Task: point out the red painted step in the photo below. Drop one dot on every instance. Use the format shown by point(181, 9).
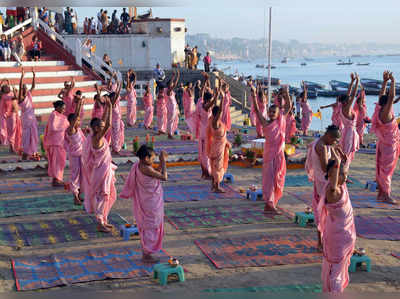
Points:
point(52, 79)
point(58, 68)
point(55, 91)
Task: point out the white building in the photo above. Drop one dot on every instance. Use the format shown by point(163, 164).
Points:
point(152, 41)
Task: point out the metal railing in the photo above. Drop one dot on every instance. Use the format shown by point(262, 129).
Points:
point(10, 32)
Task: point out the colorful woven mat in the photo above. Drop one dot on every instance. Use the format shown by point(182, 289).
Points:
point(177, 175)
point(261, 250)
point(45, 232)
point(303, 181)
point(197, 193)
point(37, 205)
point(184, 218)
point(378, 228)
point(178, 150)
point(17, 187)
point(359, 199)
point(32, 273)
point(295, 288)
point(396, 255)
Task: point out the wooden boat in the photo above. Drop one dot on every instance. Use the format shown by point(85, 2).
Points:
point(363, 63)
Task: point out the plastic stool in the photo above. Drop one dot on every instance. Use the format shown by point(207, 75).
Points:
point(372, 145)
point(162, 271)
point(303, 218)
point(244, 131)
point(126, 232)
point(176, 132)
point(371, 185)
point(357, 260)
point(253, 195)
point(229, 178)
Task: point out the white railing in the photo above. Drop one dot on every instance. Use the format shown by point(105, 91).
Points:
point(10, 32)
point(95, 62)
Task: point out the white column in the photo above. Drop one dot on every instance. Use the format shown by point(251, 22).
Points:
point(78, 52)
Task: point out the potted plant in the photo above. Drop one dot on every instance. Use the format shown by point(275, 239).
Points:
point(238, 140)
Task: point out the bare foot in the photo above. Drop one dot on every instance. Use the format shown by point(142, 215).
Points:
point(103, 228)
point(269, 209)
point(108, 225)
point(148, 258)
point(24, 156)
point(219, 190)
point(77, 201)
point(57, 183)
point(170, 136)
point(390, 200)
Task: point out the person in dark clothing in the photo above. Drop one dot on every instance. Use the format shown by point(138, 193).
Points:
point(197, 89)
point(125, 17)
point(179, 97)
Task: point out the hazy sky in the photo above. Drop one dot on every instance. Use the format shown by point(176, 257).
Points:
point(349, 21)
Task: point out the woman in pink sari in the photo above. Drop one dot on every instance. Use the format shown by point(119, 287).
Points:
point(203, 112)
point(118, 127)
point(67, 96)
point(336, 224)
point(53, 143)
point(143, 185)
point(30, 136)
point(74, 140)
point(274, 164)
point(131, 98)
point(189, 108)
point(161, 111)
point(172, 107)
point(99, 104)
point(217, 147)
point(290, 127)
point(350, 141)
point(385, 127)
point(360, 109)
point(11, 120)
point(148, 108)
point(306, 112)
point(258, 94)
point(226, 109)
point(99, 171)
point(336, 108)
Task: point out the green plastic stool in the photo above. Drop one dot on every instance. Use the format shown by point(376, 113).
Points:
point(162, 271)
point(358, 260)
point(302, 218)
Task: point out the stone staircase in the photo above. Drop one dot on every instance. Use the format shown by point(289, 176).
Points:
point(56, 67)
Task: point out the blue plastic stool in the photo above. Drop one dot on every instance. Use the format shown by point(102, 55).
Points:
point(372, 145)
point(229, 178)
point(303, 218)
point(371, 185)
point(162, 271)
point(126, 232)
point(358, 260)
point(176, 132)
point(244, 131)
point(253, 195)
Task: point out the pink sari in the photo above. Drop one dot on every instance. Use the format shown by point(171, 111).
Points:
point(162, 113)
point(264, 111)
point(290, 128)
point(338, 238)
point(316, 175)
point(172, 114)
point(148, 208)
point(68, 100)
point(98, 110)
point(274, 164)
point(30, 135)
point(149, 110)
point(99, 172)
point(12, 124)
point(350, 141)
point(131, 107)
point(253, 116)
point(387, 149)
point(336, 120)
point(306, 116)
point(201, 133)
point(189, 110)
point(73, 145)
point(118, 127)
point(361, 114)
point(226, 112)
point(53, 143)
point(217, 150)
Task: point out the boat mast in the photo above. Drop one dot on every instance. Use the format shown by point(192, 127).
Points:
point(269, 56)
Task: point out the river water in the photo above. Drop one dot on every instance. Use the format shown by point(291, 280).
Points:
point(320, 70)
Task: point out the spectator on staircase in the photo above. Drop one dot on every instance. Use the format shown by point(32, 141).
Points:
point(99, 22)
point(86, 26)
point(18, 49)
point(68, 24)
point(207, 62)
point(21, 14)
point(44, 15)
point(125, 18)
point(74, 21)
point(11, 14)
point(5, 48)
point(107, 60)
point(36, 46)
point(93, 26)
